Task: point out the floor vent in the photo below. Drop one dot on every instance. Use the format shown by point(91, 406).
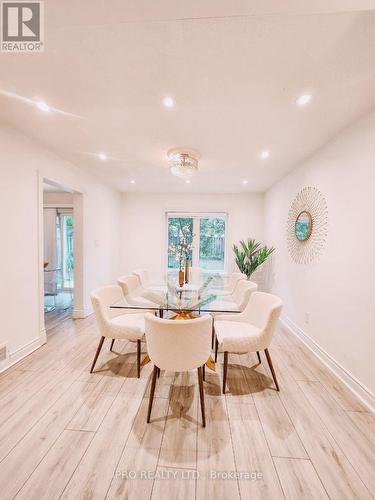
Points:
point(3, 352)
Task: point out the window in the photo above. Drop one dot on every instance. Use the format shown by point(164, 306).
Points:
point(205, 232)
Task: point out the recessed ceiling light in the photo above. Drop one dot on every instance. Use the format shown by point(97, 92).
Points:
point(103, 156)
point(245, 181)
point(264, 155)
point(132, 181)
point(169, 102)
point(188, 181)
point(303, 100)
point(42, 106)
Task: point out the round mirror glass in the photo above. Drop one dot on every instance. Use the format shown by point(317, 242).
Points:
point(303, 226)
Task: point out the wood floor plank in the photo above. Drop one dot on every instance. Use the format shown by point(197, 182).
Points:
point(365, 422)
point(54, 471)
point(309, 363)
point(281, 436)
point(250, 429)
point(134, 475)
point(20, 463)
point(339, 478)
point(174, 484)
point(252, 454)
point(299, 479)
point(94, 409)
point(179, 446)
point(214, 447)
point(13, 429)
point(359, 451)
point(94, 473)
point(237, 387)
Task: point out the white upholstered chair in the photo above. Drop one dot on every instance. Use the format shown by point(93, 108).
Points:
point(113, 323)
point(240, 297)
point(230, 286)
point(249, 331)
point(145, 281)
point(178, 346)
point(133, 291)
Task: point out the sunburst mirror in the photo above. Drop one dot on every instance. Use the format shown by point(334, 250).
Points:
point(307, 225)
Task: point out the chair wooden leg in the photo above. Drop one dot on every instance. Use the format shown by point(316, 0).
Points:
point(204, 372)
point(152, 391)
point(97, 353)
point(216, 348)
point(271, 368)
point(138, 358)
point(158, 372)
point(201, 395)
point(113, 341)
point(259, 357)
point(213, 335)
point(225, 370)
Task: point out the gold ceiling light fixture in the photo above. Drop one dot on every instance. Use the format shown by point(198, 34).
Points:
point(183, 162)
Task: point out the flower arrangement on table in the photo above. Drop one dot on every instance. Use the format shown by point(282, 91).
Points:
point(182, 249)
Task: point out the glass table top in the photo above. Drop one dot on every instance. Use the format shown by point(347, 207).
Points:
point(208, 294)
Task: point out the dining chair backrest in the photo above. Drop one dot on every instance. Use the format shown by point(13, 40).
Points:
point(263, 311)
point(129, 283)
point(178, 345)
point(234, 278)
point(101, 299)
point(243, 291)
point(143, 276)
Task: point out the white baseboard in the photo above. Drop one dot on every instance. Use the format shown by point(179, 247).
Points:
point(362, 392)
point(81, 313)
point(22, 352)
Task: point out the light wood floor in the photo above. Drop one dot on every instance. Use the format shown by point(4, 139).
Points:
point(67, 434)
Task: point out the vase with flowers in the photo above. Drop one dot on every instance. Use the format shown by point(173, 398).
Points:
point(182, 250)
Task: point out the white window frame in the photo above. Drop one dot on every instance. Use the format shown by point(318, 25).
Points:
point(196, 216)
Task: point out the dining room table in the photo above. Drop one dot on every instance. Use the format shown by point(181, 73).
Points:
point(170, 300)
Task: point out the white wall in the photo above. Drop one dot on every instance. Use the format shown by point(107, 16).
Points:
point(144, 223)
point(57, 199)
point(20, 162)
point(337, 291)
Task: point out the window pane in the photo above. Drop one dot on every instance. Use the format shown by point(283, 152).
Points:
point(212, 244)
point(177, 225)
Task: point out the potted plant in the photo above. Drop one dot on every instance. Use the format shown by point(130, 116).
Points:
point(250, 255)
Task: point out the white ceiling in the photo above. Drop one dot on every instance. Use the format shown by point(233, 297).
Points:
point(234, 69)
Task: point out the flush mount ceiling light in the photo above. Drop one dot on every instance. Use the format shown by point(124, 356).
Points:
point(303, 100)
point(103, 156)
point(42, 106)
point(169, 102)
point(183, 162)
point(264, 155)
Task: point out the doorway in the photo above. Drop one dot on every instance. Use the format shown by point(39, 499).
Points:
point(58, 255)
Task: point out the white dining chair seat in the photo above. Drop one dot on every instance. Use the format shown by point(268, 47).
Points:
point(238, 337)
point(128, 326)
point(223, 305)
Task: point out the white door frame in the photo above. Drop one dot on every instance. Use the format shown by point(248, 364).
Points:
point(78, 207)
